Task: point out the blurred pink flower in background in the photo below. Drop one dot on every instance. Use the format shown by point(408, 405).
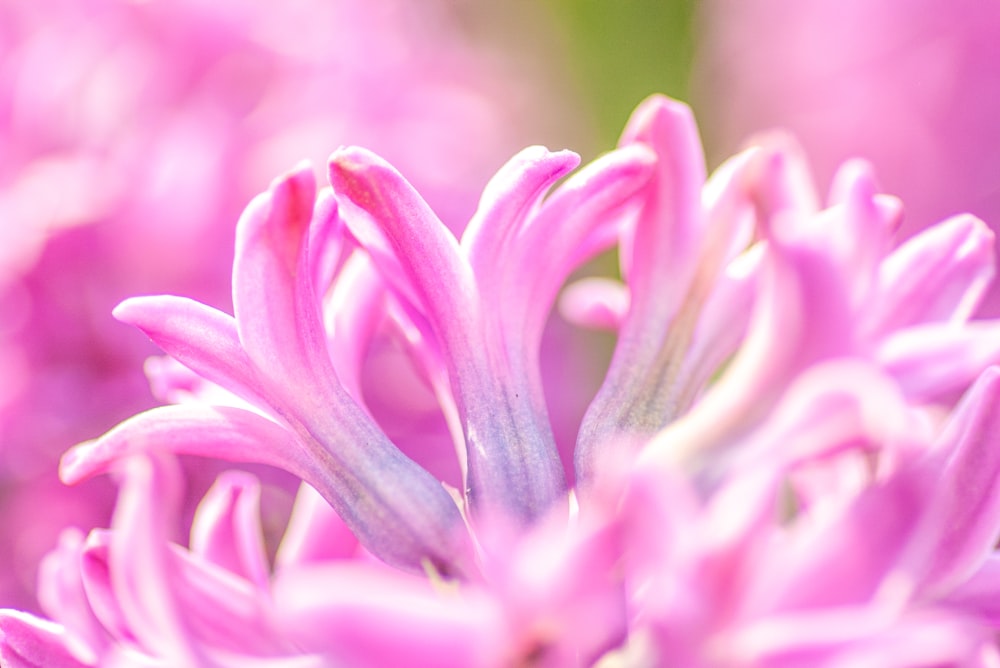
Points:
point(913, 87)
point(134, 133)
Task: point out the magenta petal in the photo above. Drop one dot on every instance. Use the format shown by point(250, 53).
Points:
point(510, 198)
point(226, 529)
point(29, 642)
point(63, 596)
point(966, 507)
point(416, 520)
point(572, 225)
point(512, 461)
point(426, 250)
point(277, 311)
point(232, 434)
point(980, 593)
point(315, 533)
point(199, 337)
point(940, 275)
point(935, 361)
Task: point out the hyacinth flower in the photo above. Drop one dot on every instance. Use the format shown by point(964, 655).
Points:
point(785, 406)
point(912, 91)
point(134, 133)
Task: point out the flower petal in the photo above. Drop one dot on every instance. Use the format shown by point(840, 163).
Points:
point(403, 524)
point(966, 506)
point(939, 275)
point(226, 528)
point(29, 642)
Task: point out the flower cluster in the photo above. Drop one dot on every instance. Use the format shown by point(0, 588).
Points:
point(792, 461)
point(907, 89)
point(134, 133)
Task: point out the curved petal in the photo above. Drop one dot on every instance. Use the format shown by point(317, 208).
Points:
point(966, 506)
point(510, 198)
point(512, 460)
point(29, 642)
point(226, 528)
point(402, 518)
point(937, 360)
point(200, 337)
point(939, 275)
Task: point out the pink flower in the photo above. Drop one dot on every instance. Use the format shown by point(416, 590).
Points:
point(133, 135)
point(792, 461)
point(909, 86)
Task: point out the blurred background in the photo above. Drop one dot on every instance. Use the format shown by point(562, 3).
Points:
point(133, 132)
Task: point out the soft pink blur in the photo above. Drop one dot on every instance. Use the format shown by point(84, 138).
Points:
point(132, 134)
point(913, 86)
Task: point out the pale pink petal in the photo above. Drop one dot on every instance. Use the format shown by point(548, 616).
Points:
point(414, 522)
point(62, 595)
point(226, 529)
point(936, 360)
point(315, 533)
point(512, 461)
point(598, 303)
point(511, 196)
point(940, 275)
point(201, 338)
point(966, 506)
point(786, 334)
point(568, 229)
point(277, 310)
point(362, 614)
point(980, 593)
point(139, 563)
point(659, 256)
point(29, 642)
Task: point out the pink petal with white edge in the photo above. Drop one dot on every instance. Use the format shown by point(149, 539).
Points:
point(226, 528)
point(201, 338)
point(939, 275)
point(29, 642)
point(231, 434)
point(63, 597)
point(966, 506)
point(570, 228)
point(139, 563)
point(933, 361)
point(277, 310)
point(510, 198)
